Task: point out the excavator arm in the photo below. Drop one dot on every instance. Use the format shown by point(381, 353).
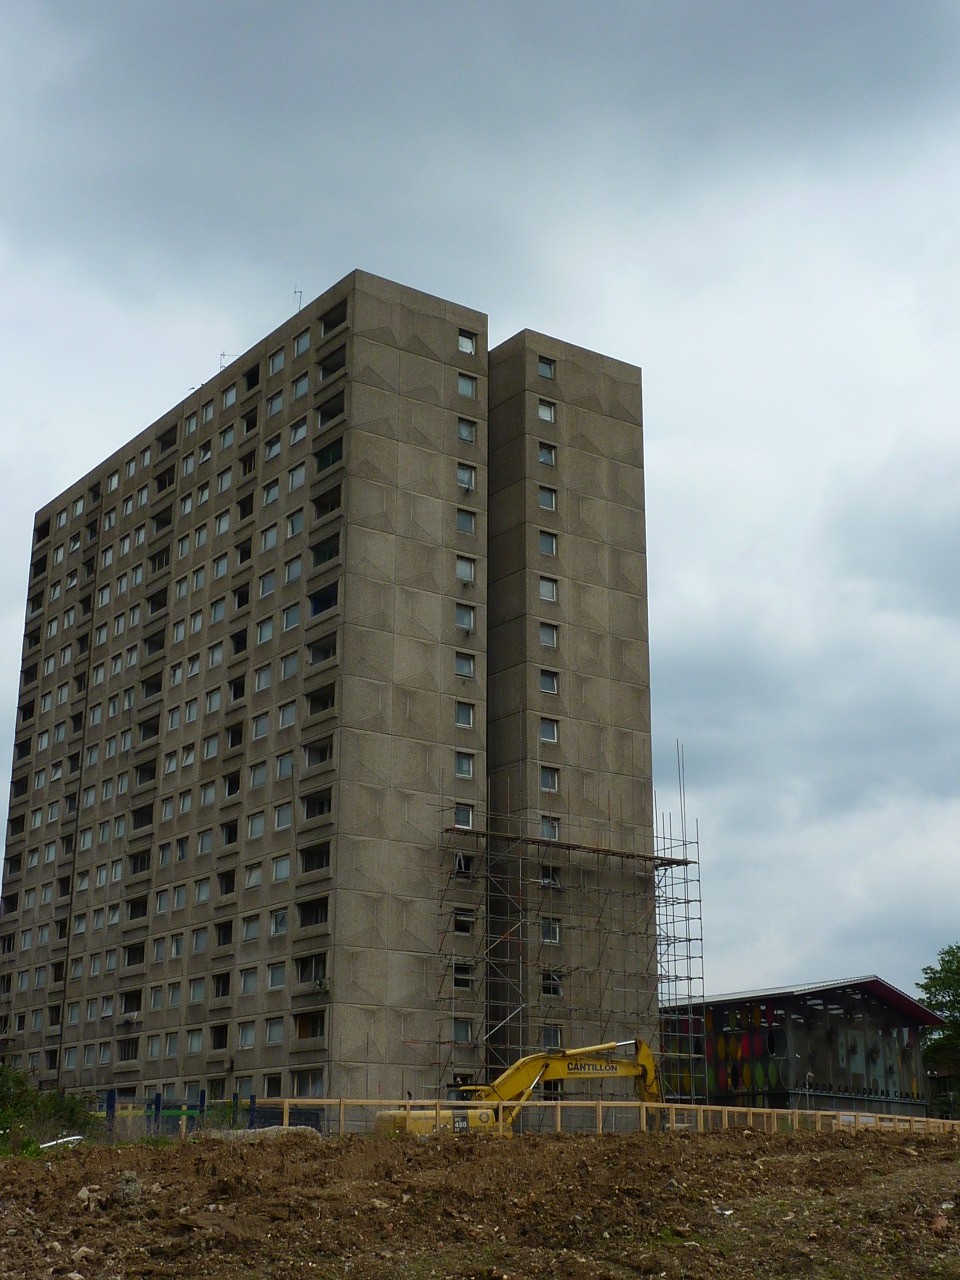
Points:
point(514, 1086)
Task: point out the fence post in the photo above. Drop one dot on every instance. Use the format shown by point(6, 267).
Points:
point(285, 1115)
point(340, 1118)
point(111, 1110)
point(251, 1118)
point(235, 1110)
point(157, 1108)
point(202, 1109)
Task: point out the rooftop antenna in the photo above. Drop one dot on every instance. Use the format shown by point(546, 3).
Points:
point(298, 294)
point(226, 357)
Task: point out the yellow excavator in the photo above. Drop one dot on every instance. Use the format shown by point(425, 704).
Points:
point(513, 1087)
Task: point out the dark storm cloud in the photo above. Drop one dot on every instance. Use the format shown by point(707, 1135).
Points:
point(280, 133)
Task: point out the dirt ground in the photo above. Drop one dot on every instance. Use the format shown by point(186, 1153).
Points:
point(675, 1205)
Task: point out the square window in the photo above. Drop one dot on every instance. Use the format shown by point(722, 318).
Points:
point(463, 816)
point(466, 476)
point(466, 616)
point(464, 764)
point(549, 681)
point(546, 498)
point(467, 430)
point(546, 411)
point(466, 521)
point(465, 665)
point(548, 543)
point(549, 588)
point(467, 342)
point(549, 778)
point(546, 367)
point(549, 827)
point(547, 454)
point(549, 635)
point(549, 729)
point(466, 569)
point(466, 386)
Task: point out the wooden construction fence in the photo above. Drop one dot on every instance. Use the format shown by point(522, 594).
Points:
point(337, 1117)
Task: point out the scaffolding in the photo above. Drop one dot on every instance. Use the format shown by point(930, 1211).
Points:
point(546, 943)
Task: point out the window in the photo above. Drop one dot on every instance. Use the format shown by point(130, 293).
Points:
point(465, 665)
point(549, 681)
point(546, 498)
point(549, 778)
point(467, 430)
point(264, 630)
point(261, 726)
point(329, 455)
point(268, 538)
point(546, 367)
point(466, 476)
point(464, 764)
point(467, 342)
point(463, 975)
point(549, 635)
point(466, 386)
point(546, 411)
point(466, 521)
point(275, 361)
point(552, 1039)
point(463, 715)
point(551, 982)
point(230, 396)
point(274, 404)
point(255, 826)
point(466, 616)
point(278, 922)
point(276, 975)
point(297, 476)
point(301, 386)
point(463, 816)
point(550, 930)
point(462, 1031)
point(549, 729)
point(271, 448)
point(549, 588)
point(274, 1031)
point(301, 343)
point(466, 569)
point(548, 543)
point(283, 816)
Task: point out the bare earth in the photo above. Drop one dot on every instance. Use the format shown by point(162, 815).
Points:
point(735, 1205)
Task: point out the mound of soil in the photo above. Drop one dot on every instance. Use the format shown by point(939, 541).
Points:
point(670, 1205)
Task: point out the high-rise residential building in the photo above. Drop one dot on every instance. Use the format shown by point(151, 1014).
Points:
point(332, 761)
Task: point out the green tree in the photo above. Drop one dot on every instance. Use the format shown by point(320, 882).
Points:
point(940, 992)
point(941, 988)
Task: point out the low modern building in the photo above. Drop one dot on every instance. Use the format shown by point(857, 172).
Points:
point(850, 1045)
point(332, 762)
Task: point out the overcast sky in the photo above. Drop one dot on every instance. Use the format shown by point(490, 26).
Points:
point(757, 202)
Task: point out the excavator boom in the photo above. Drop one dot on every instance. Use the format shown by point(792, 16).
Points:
point(513, 1087)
